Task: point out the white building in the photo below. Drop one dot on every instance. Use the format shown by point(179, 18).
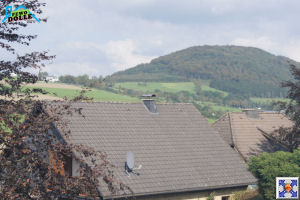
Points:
point(52, 79)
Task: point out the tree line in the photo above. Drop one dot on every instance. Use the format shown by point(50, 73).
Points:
point(84, 80)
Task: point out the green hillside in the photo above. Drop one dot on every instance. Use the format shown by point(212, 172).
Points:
point(210, 102)
point(172, 87)
point(152, 86)
point(70, 92)
point(238, 70)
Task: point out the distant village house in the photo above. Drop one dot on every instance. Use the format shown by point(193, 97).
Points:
point(52, 79)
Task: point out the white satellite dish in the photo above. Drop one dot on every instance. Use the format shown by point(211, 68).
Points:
point(129, 161)
point(129, 164)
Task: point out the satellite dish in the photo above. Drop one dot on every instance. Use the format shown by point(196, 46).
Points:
point(129, 161)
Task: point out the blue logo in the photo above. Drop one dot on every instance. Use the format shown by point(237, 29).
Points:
point(287, 188)
point(19, 14)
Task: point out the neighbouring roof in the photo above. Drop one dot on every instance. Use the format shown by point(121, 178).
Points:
point(177, 148)
point(248, 133)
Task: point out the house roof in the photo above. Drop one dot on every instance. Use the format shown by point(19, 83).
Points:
point(177, 148)
point(248, 133)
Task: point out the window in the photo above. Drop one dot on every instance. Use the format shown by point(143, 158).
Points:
point(225, 198)
point(68, 165)
point(61, 166)
point(56, 164)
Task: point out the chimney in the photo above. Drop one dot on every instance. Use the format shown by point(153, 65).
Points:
point(149, 102)
point(251, 113)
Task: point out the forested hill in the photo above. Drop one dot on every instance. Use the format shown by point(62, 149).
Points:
point(235, 69)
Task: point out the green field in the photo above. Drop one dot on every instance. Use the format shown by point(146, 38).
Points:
point(211, 121)
point(164, 87)
point(219, 108)
point(152, 86)
point(71, 91)
point(212, 111)
point(207, 88)
point(225, 108)
point(268, 100)
point(97, 95)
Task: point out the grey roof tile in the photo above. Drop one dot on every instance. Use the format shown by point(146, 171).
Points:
point(177, 147)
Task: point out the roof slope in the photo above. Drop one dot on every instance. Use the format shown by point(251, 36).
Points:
point(223, 127)
point(177, 148)
point(246, 131)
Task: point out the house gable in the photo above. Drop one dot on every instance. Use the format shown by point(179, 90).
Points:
point(249, 132)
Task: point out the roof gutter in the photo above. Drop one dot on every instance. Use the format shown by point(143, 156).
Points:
point(166, 192)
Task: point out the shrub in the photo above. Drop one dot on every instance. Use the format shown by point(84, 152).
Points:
point(269, 166)
point(211, 196)
point(246, 195)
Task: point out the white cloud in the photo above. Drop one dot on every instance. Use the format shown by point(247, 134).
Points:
point(290, 49)
point(123, 54)
point(107, 36)
point(263, 42)
point(73, 68)
point(115, 56)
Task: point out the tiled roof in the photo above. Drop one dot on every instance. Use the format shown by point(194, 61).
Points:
point(246, 132)
point(223, 127)
point(177, 148)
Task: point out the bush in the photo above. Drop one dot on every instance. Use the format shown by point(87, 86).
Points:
point(211, 196)
point(269, 166)
point(246, 195)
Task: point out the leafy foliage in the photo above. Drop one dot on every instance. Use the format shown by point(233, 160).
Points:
point(208, 112)
point(269, 166)
point(84, 80)
point(42, 76)
point(32, 157)
point(234, 69)
point(211, 196)
point(291, 135)
point(246, 195)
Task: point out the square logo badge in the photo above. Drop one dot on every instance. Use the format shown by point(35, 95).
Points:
point(287, 187)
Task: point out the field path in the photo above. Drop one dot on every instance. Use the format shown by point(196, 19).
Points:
point(37, 97)
point(54, 85)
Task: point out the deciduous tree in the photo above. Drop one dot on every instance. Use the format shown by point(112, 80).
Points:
point(27, 140)
point(291, 135)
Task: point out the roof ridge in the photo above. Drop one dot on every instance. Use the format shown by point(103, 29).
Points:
point(222, 116)
point(271, 112)
point(116, 102)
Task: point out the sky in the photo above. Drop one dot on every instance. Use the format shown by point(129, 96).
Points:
point(100, 37)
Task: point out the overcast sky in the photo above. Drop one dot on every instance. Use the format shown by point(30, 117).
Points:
point(99, 37)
